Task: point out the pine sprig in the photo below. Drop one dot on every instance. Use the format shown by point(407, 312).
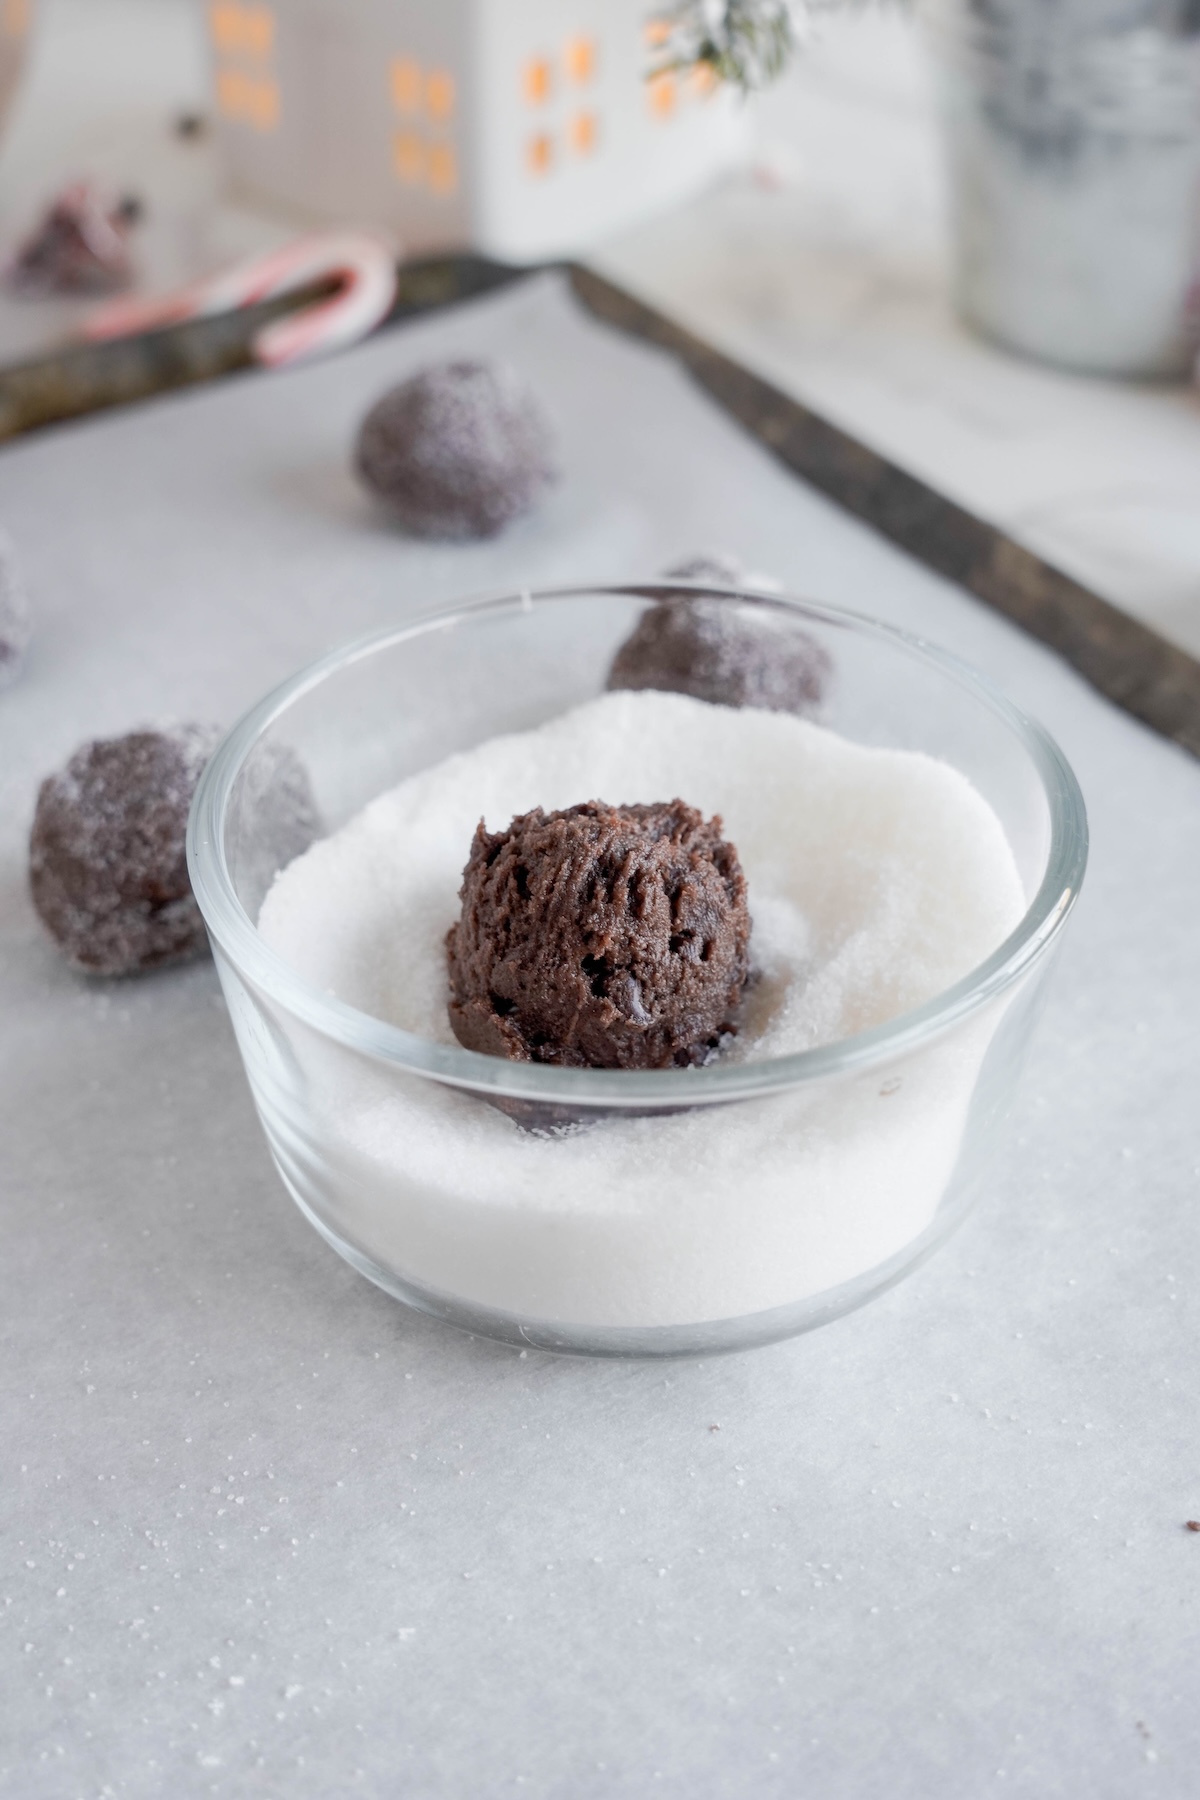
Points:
point(745, 42)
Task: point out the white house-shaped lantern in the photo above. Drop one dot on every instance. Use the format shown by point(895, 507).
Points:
point(522, 128)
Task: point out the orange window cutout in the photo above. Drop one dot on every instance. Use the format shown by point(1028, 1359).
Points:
point(703, 81)
point(583, 132)
point(258, 31)
point(662, 93)
point(443, 170)
point(580, 59)
point(657, 33)
point(439, 94)
point(408, 157)
point(536, 81)
point(232, 88)
point(539, 153)
point(264, 105)
point(225, 25)
point(406, 84)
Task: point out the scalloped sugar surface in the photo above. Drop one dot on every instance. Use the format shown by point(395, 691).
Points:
point(877, 879)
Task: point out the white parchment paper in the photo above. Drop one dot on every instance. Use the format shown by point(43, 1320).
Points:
point(267, 1532)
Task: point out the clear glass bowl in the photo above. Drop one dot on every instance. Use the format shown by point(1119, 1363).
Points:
point(685, 1211)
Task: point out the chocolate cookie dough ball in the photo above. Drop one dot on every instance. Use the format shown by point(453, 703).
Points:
point(458, 451)
point(106, 859)
point(14, 615)
point(604, 937)
point(721, 651)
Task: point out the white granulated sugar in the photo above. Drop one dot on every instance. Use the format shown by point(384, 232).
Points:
point(876, 879)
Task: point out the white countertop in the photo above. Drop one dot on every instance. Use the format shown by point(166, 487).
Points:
point(824, 268)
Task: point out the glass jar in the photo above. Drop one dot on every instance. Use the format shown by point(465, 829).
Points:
point(613, 1212)
point(1072, 133)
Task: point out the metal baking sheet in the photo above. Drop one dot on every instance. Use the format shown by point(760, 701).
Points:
point(1152, 678)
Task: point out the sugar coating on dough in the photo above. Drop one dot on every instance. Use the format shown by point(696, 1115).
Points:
point(107, 856)
point(458, 451)
point(108, 851)
point(721, 651)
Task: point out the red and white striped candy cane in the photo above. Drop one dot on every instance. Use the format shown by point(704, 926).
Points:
point(364, 265)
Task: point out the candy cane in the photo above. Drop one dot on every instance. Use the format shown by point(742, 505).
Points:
point(364, 266)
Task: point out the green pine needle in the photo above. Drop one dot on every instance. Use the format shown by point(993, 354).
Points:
point(744, 42)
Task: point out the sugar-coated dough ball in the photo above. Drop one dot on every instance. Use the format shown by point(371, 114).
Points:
point(724, 652)
point(15, 623)
point(458, 451)
point(107, 863)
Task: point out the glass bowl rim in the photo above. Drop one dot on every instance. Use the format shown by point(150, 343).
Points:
point(236, 935)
